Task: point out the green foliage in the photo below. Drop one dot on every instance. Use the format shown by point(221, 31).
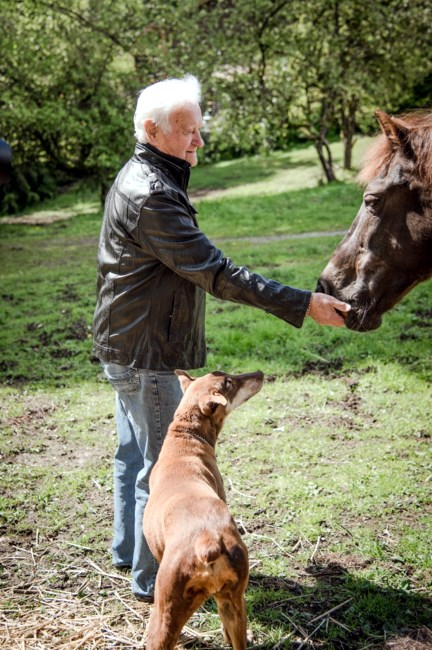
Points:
point(272, 74)
point(62, 105)
point(29, 185)
point(312, 69)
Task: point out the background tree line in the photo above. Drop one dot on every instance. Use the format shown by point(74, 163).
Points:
point(273, 71)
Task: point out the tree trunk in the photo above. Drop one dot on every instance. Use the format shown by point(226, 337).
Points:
point(348, 144)
point(348, 131)
point(325, 157)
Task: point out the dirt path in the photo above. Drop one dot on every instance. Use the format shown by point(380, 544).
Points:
point(48, 217)
point(266, 239)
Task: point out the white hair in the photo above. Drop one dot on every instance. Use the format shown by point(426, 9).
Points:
point(156, 102)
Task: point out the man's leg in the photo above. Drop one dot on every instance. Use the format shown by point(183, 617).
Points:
point(162, 395)
point(145, 404)
point(128, 462)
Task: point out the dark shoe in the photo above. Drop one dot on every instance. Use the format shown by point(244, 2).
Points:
point(145, 599)
point(123, 567)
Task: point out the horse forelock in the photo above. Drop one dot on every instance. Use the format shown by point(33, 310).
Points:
point(376, 158)
point(417, 133)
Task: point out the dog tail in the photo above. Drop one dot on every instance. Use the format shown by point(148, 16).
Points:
point(208, 547)
point(216, 565)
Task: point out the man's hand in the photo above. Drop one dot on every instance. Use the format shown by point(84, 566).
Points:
point(322, 309)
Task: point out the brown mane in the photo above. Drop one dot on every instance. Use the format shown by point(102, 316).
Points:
point(418, 133)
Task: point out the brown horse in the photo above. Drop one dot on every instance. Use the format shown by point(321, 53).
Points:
point(388, 249)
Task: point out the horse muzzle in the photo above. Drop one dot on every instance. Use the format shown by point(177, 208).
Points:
point(361, 317)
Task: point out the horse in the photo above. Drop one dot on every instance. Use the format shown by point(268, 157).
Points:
point(387, 250)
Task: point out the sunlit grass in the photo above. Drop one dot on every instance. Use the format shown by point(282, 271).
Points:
point(278, 172)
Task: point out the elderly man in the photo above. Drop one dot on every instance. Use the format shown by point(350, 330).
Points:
point(154, 268)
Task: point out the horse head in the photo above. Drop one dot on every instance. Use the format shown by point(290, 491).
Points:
point(388, 249)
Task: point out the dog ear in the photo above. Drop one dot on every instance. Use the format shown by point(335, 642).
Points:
point(184, 379)
point(209, 403)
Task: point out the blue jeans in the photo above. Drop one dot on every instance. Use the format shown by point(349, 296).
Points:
point(145, 405)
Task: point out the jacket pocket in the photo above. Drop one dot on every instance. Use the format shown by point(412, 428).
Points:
point(122, 378)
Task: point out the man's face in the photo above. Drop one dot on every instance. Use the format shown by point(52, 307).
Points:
point(183, 138)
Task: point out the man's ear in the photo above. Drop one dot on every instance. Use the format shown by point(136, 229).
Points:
point(209, 403)
point(150, 128)
point(184, 379)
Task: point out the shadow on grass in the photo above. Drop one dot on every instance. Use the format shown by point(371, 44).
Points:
point(341, 611)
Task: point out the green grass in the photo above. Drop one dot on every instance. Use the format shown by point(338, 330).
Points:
point(272, 174)
point(330, 207)
point(48, 296)
point(328, 469)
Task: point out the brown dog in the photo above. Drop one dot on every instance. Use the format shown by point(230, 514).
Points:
point(186, 521)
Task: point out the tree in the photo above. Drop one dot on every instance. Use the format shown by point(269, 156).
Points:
point(60, 98)
point(272, 70)
point(314, 67)
point(351, 55)
point(69, 78)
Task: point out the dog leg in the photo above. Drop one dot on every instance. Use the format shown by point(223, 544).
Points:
point(170, 613)
point(232, 611)
point(166, 623)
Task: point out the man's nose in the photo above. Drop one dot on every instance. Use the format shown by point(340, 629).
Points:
point(198, 141)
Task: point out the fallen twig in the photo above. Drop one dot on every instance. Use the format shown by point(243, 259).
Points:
point(345, 627)
point(315, 551)
point(271, 539)
point(247, 496)
point(308, 638)
point(299, 629)
point(330, 611)
point(111, 576)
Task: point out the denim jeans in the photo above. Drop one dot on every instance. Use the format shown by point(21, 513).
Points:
point(145, 405)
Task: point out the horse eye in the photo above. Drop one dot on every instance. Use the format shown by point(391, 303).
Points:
point(371, 201)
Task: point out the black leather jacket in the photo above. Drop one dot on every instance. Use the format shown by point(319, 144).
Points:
point(155, 267)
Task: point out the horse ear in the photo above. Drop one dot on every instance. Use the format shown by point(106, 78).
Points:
point(184, 379)
point(209, 403)
point(392, 128)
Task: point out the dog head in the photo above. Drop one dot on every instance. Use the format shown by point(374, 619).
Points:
point(217, 390)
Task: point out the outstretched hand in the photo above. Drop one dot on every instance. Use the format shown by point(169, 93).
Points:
point(322, 310)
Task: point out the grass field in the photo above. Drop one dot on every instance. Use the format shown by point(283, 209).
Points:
point(328, 470)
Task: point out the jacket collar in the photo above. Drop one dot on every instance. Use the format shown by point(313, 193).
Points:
point(176, 168)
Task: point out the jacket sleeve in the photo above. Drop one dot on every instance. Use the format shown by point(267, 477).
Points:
point(168, 231)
